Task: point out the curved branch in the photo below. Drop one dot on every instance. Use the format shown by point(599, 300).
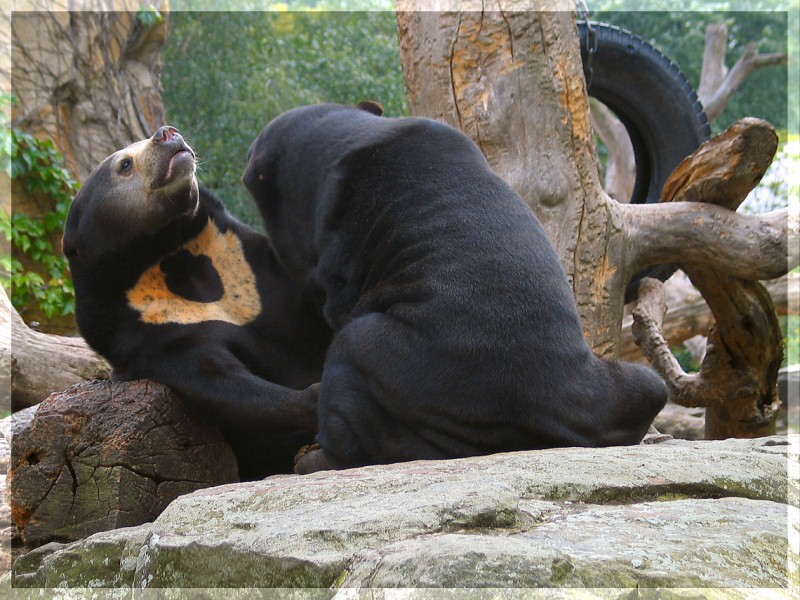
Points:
point(695, 222)
point(648, 317)
point(751, 247)
point(692, 316)
point(737, 381)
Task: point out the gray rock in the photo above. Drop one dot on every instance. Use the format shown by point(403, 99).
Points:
point(676, 514)
point(643, 545)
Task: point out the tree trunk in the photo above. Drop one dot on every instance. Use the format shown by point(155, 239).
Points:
point(485, 71)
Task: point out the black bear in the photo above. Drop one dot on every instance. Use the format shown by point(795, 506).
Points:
point(170, 287)
point(456, 331)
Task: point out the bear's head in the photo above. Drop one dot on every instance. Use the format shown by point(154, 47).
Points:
point(135, 192)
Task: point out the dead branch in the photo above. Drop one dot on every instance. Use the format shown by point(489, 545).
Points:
point(738, 377)
point(692, 317)
point(720, 174)
point(620, 173)
point(717, 82)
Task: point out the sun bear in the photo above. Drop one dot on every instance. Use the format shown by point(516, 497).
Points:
point(455, 327)
point(170, 287)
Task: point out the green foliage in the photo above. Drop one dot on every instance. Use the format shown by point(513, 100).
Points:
point(227, 74)
point(38, 165)
point(685, 359)
point(791, 335)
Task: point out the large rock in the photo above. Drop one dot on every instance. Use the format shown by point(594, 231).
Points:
point(677, 514)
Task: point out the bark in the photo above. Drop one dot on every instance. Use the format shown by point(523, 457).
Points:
point(485, 71)
point(37, 364)
point(738, 377)
point(104, 455)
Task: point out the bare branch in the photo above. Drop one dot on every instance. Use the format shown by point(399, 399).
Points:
point(713, 71)
point(752, 247)
point(620, 167)
point(718, 83)
point(737, 380)
point(648, 318)
point(695, 222)
point(687, 319)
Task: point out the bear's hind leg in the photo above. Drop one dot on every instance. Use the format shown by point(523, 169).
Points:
point(312, 458)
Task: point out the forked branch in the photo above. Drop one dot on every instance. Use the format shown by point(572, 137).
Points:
point(724, 255)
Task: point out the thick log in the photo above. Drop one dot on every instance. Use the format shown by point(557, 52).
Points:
point(39, 364)
point(104, 455)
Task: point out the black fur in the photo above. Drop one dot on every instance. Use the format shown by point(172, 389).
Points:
point(243, 377)
point(456, 331)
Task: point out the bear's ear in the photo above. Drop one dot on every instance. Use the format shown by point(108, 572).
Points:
point(371, 107)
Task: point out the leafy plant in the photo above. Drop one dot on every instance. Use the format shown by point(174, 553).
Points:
point(39, 166)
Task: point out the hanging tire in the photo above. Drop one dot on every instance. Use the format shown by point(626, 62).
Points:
point(654, 101)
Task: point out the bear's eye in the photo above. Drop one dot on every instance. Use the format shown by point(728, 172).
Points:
point(125, 165)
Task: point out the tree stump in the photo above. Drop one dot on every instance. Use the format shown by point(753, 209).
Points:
point(104, 455)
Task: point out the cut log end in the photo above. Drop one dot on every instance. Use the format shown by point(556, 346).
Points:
point(103, 455)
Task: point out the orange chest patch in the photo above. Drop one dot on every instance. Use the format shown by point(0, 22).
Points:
point(239, 303)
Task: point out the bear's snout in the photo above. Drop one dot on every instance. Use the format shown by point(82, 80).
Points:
point(167, 135)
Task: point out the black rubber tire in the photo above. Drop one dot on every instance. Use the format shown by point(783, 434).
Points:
point(652, 98)
point(658, 106)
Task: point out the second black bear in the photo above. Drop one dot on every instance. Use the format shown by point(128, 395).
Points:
point(456, 330)
point(170, 287)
